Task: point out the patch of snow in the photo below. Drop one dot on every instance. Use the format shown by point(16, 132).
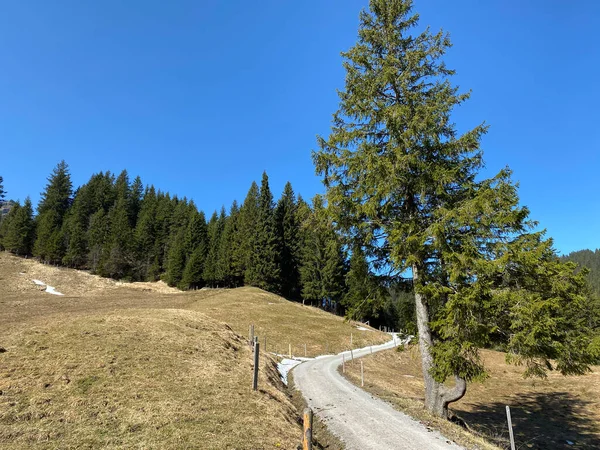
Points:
point(285, 366)
point(52, 290)
point(362, 329)
point(49, 289)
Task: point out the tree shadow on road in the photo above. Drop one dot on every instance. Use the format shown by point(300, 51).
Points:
point(541, 420)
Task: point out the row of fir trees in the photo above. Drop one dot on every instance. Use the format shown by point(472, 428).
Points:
point(122, 229)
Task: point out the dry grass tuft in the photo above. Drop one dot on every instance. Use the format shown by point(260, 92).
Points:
point(546, 413)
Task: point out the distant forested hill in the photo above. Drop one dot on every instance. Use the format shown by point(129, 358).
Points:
point(591, 260)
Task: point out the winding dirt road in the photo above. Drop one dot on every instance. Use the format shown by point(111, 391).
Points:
point(358, 419)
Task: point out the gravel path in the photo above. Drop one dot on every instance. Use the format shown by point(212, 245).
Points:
point(358, 419)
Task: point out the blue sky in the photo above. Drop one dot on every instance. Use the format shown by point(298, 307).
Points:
point(199, 97)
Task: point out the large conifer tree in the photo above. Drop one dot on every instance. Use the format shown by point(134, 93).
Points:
point(402, 182)
point(288, 230)
point(264, 270)
point(20, 229)
point(53, 207)
point(246, 235)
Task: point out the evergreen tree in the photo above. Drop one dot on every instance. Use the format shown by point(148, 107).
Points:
point(196, 242)
point(402, 183)
point(289, 235)
point(226, 270)
point(117, 250)
point(322, 263)
point(53, 207)
point(2, 191)
point(264, 270)
point(246, 234)
point(20, 229)
point(215, 228)
point(97, 235)
point(144, 236)
point(135, 203)
point(164, 217)
point(363, 298)
point(176, 259)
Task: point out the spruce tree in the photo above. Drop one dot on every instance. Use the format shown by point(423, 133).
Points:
point(135, 203)
point(196, 242)
point(288, 230)
point(246, 233)
point(54, 204)
point(362, 298)
point(176, 259)
point(97, 235)
point(144, 236)
point(2, 191)
point(322, 262)
point(403, 183)
point(226, 270)
point(264, 270)
point(20, 229)
point(117, 258)
point(215, 229)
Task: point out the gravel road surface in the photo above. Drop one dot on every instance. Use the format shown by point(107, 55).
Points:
point(358, 419)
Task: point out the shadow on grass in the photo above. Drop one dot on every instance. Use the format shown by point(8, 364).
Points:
point(540, 421)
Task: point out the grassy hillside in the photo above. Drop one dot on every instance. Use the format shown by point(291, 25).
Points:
point(546, 413)
point(138, 379)
point(144, 366)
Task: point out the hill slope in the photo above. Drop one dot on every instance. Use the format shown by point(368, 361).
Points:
point(140, 365)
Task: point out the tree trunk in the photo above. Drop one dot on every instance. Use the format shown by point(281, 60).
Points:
point(437, 395)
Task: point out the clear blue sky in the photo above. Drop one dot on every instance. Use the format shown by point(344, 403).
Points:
point(199, 97)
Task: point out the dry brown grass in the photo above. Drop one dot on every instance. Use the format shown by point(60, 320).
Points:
point(546, 413)
point(116, 365)
point(138, 379)
point(283, 322)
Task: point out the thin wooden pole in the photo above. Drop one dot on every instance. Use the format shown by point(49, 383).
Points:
point(255, 342)
point(255, 378)
point(308, 428)
point(362, 374)
point(290, 351)
point(510, 428)
point(352, 356)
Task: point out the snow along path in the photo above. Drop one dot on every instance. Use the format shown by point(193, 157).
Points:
point(358, 419)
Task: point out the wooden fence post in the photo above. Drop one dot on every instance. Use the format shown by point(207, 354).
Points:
point(255, 378)
point(290, 351)
point(510, 428)
point(308, 428)
point(352, 356)
point(362, 374)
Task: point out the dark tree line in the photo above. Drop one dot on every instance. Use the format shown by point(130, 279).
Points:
point(121, 229)
point(589, 259)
